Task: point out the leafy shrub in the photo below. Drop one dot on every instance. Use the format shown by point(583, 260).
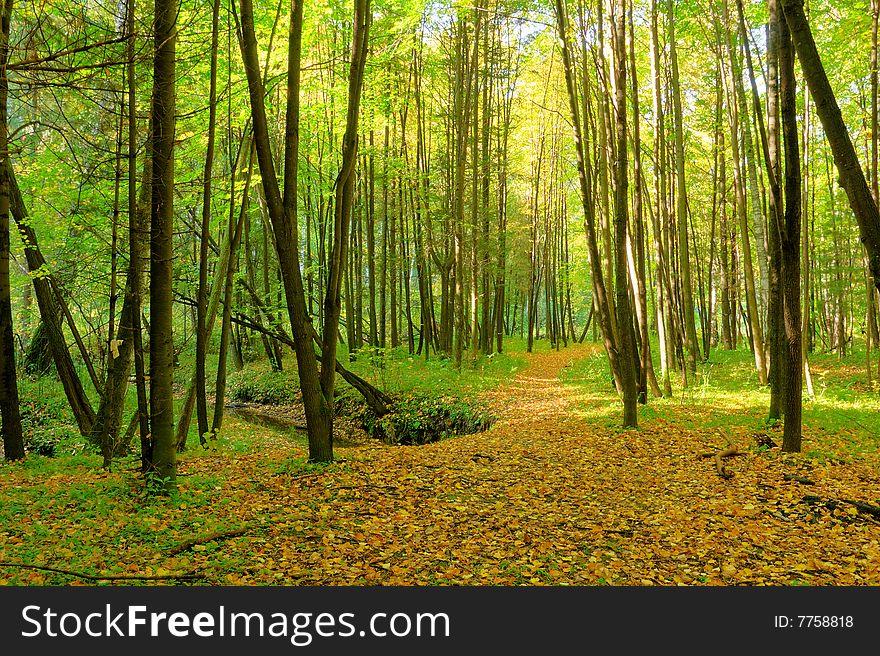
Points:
point(419, 419)
point(46, 427)
point(265, 387)
point(41, 443)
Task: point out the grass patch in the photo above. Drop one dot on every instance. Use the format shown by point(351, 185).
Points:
point(724, 397)
point(396, 371)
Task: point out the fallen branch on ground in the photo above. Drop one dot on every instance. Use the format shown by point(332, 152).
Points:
point(831, 504)
point(865, 508)
point(723, 471)
point(92, 577)
point(189, 544)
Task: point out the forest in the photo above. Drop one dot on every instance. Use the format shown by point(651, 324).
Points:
point(411, 292)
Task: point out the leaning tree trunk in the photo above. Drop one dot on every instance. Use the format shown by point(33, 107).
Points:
point(282, 214)
point(202, 336)
point(47, 302)
point(852, 177)
point(600, 295)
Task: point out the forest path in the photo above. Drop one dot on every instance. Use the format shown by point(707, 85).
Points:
point(508, 505)
point(554, 493)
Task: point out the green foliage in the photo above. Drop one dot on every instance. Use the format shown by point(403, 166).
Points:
point(420, 419)
point(46, 420)
point(396, 371)
point(256, 384)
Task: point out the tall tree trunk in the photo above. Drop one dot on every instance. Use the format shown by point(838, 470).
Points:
point(755, 331)
point(163, 456)
point(235, 228)
point(660, 215)
point(282, 213)
point(371, 243)
point(600, 296)
point(646, 364)
point(107, 424)
point(791, 439)
point(775, 325)
point(13, 441)
point(202, 336)
point(626, 345)
point(342, 215)
point(687, 295)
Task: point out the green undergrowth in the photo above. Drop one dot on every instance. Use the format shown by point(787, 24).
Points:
point(724, 397)
point(67, 513)
point(47, 422)
point(257, 383)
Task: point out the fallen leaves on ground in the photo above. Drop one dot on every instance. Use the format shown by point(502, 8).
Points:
point(547, 496)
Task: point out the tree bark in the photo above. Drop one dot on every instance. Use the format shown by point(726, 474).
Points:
point(202, 336)
point(626, 346)
point(342, 215)
point(775, 309)
point(164, 452)
point(791, 439)
point(600, 295)
point(282, 214)
point(13, 440)
point(687, 295)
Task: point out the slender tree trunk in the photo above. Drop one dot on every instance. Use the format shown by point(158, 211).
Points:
point(660, 215)
point(13, 441)
point(600, 297)
point(202, 337)
point(282, 213)
point(235, 229)
point(646, 365)
point(791, 439)
point(755, 332)
point(341, 220)
point(626, 346)
point(775, 326)
point(687, 297)
point(163, 457)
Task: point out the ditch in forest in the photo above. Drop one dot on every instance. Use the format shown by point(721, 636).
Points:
point(413, 418)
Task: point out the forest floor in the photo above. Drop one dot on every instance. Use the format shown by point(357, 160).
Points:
point(549, 495)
